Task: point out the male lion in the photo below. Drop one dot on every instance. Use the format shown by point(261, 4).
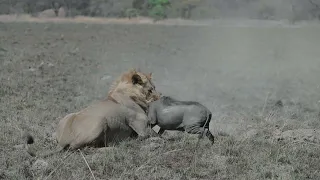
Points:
point(120, 115)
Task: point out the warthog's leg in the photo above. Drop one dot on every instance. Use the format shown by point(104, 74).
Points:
point(195, 129)
point(161, 131)
point(152, 115)
point(192, 126)
point(209, 135)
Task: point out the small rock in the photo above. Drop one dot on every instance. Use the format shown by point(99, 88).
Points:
point(75, 51)
point(41, 65)
point(105, 78)
point(279, 103)
point(53, 137)
point(39, 165)
point(32, 69)
point(50, 65)
point(309, 135)
point(2, 175)
point(152, 146)
point(250, 134)
point(104, 149)
point(19, 146)
point(2, 49)
point(276, 132)
point(156, 128)
point(155, 139)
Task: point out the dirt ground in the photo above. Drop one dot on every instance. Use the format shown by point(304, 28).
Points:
point(261, 83)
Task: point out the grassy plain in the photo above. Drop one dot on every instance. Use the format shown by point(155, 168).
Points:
point(240, 72)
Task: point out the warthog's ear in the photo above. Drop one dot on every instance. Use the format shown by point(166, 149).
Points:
point(150, 75)
point(136, 79)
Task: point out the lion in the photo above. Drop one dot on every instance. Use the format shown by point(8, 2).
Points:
point(120, 115)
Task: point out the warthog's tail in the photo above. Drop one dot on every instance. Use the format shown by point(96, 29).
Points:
point(209, 116)
point(205, 125)
point(205, 128)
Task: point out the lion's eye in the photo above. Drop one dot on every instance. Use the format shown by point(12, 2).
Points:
point(151, 90)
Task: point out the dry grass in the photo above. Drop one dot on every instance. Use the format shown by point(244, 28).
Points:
point(97, 20)
point(76, 71)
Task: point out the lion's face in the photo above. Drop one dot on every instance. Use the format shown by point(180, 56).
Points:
point(149, 88)
point(137, 85)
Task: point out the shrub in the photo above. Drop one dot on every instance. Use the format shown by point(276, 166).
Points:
point(157, 8)
point(131, 12)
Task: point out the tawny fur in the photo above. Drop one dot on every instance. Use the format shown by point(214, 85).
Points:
point(101, 122)
point(138, 92)
point(115, 118)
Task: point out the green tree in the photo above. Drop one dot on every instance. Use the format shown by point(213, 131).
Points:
point(157, 8)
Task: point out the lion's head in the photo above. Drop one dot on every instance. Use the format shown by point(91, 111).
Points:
point(136, 85)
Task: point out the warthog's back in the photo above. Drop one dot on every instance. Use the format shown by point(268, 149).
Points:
point(172, 114)
point(170, 117)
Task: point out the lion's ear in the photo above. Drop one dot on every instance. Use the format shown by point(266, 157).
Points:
point(136, 79)
point(150, 75)
point(132, 70)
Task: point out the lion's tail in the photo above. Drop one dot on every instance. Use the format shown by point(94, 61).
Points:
point(27, 140)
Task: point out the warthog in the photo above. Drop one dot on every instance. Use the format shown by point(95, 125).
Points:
point(172, 114)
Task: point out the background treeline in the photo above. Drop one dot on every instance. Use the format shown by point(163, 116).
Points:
point(190, 9)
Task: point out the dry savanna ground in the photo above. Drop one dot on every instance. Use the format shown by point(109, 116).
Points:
point(261, 84)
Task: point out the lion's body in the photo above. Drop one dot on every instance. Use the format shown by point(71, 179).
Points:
point(115, 118)
point(99, 124)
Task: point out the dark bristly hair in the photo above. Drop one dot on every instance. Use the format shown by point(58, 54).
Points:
point(169, 101)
